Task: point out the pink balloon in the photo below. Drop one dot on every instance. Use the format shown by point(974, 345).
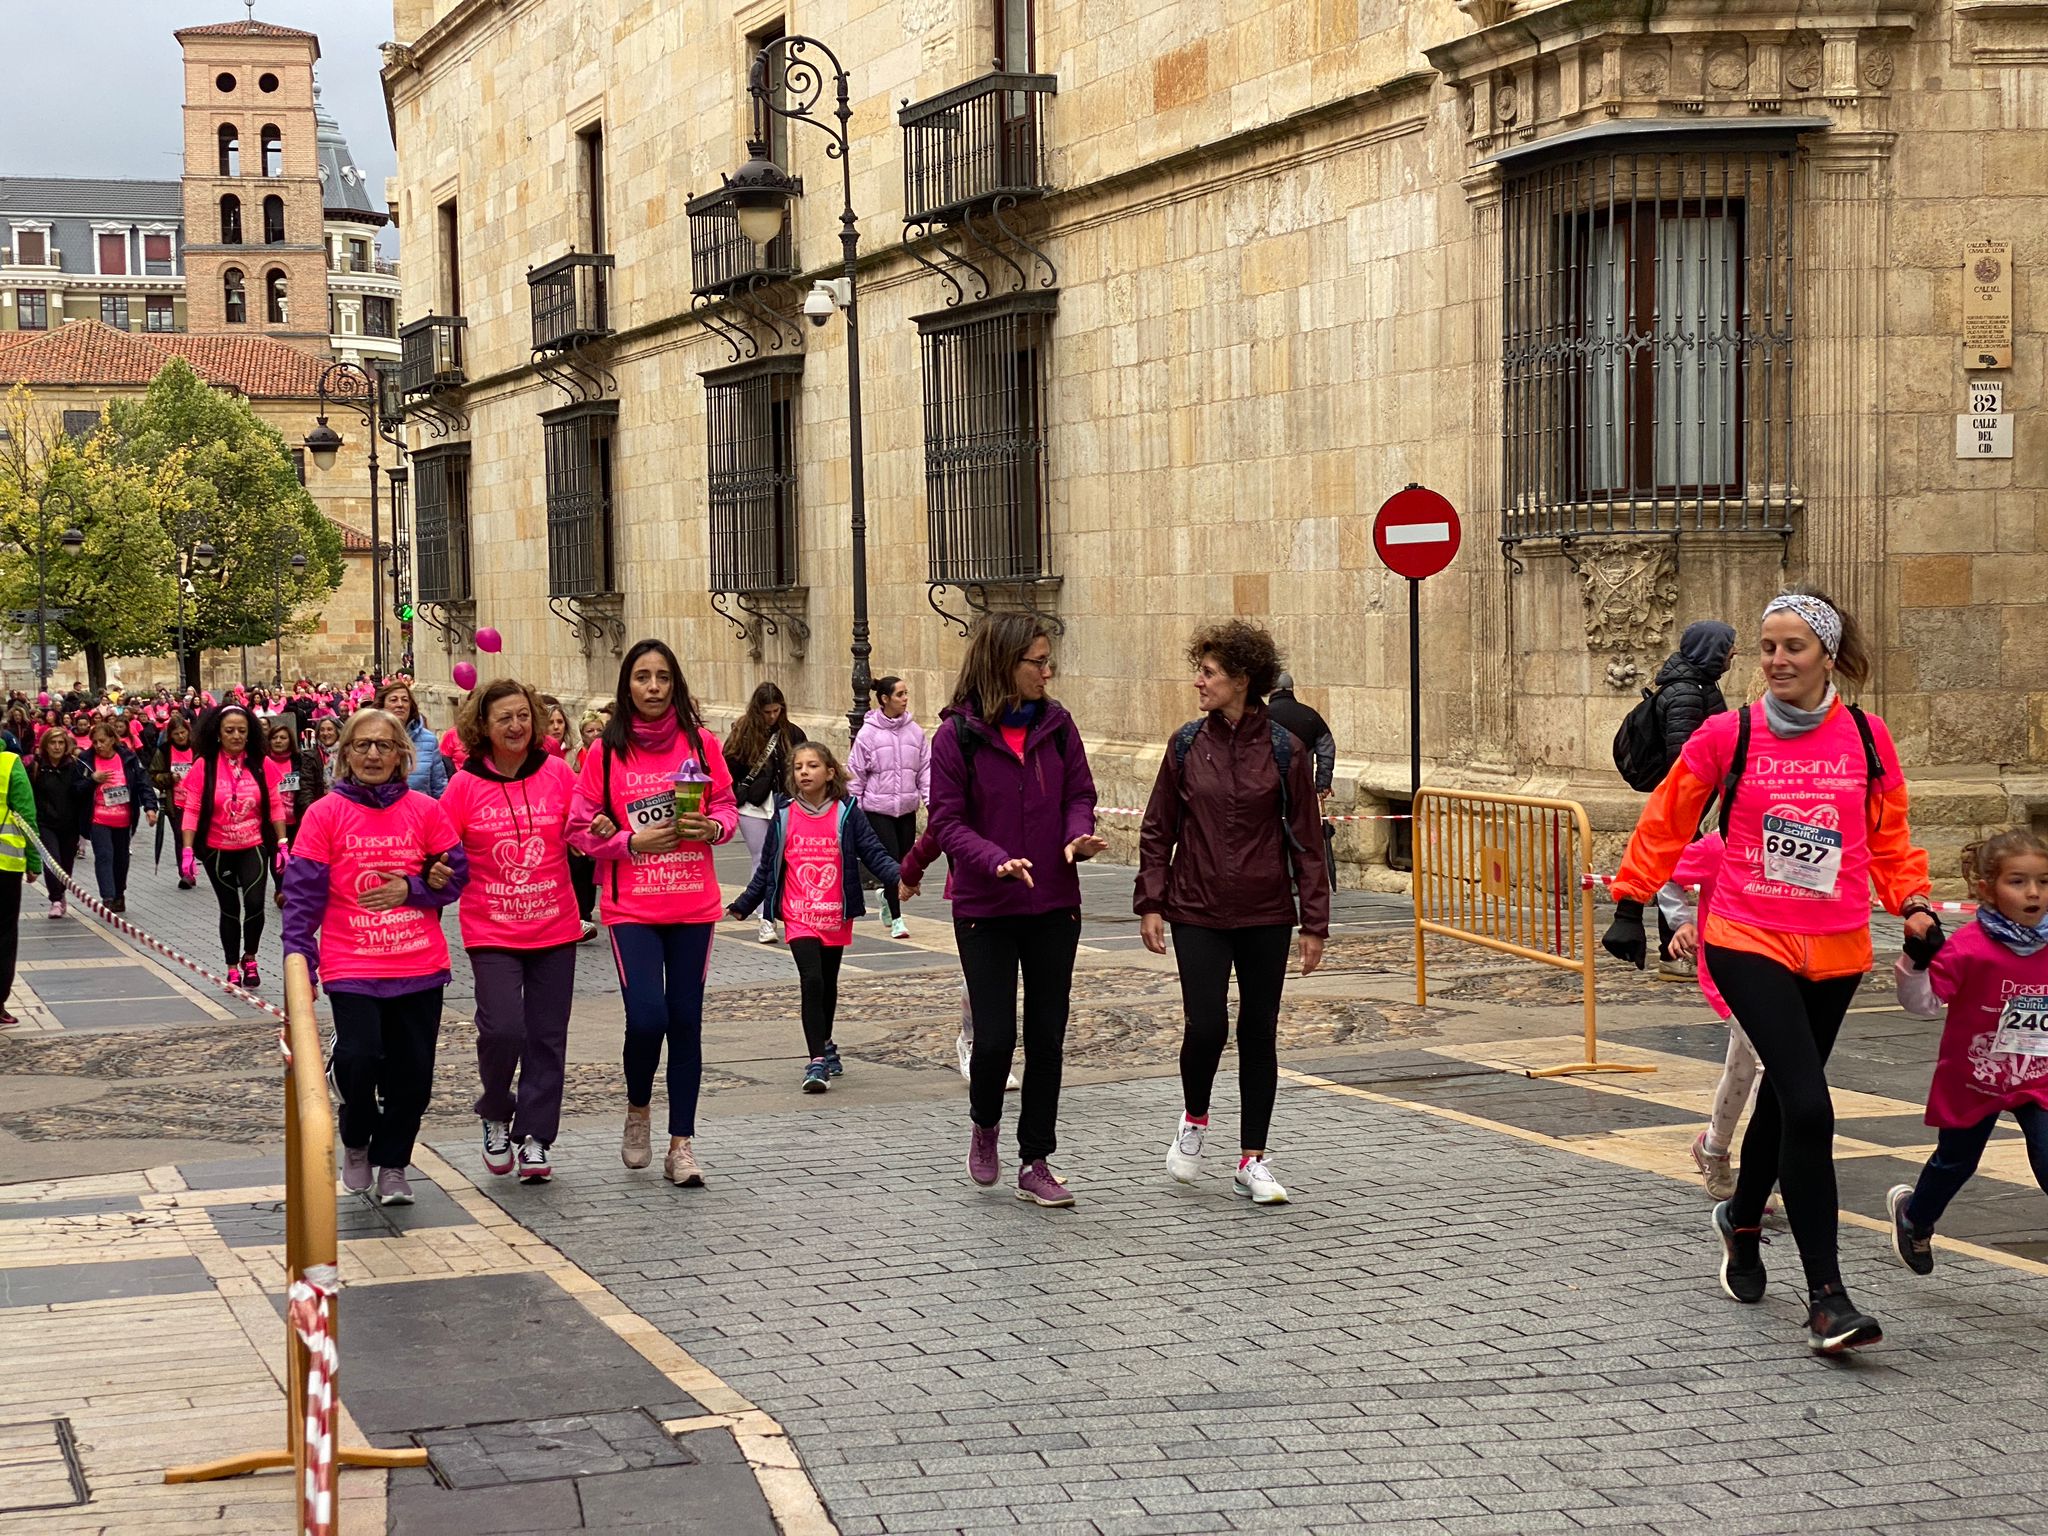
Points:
point(488, 639)
point(465, 675)
point(43, 700)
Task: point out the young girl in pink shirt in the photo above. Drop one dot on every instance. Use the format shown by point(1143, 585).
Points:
point(807, 877)
point(121, 795)
point(232, 828)
point(1993, 978)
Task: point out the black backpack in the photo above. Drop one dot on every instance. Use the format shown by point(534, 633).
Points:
point(1639, 751)
point(1873, 765)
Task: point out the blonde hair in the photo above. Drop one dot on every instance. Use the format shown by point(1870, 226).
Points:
point(344, 765)
point(832, 766)
point(472, 721)
point(1984, 859)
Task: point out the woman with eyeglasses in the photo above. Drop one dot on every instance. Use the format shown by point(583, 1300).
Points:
point(232, 828)
point(1013, 806)
point(374, 864)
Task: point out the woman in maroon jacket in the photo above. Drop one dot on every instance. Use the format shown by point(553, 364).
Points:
point(1232, 838)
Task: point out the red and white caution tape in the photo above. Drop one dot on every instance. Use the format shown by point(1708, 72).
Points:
point(1593, 882)
point(148, 940)
point(310, 1305)
point(1125, 810)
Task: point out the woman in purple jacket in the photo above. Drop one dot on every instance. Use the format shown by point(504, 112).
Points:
point(1013, 806)
point(890, 769)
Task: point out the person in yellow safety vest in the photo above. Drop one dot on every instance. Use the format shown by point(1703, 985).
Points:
point(20, 859)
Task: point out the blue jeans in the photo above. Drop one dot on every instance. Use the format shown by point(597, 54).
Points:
point(1955, 1159)
point(110, 859)
point(661, 973)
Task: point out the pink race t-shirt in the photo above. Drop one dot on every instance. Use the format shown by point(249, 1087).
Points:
point(282, 775)
point(813, 903)
point(1992, 1047)
point(1798, 858)
point(1700, 865)
point(180, 764)
point(515, 832)
point(676, 887)
point(110, 800)
point(237, 809)
point(362, 845)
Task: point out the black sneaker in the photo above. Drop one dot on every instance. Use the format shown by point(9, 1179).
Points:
point(1834, 1326)
point(816, 1076)
point(833, 1064)
point(1914, 1248)
point(1742, 1261)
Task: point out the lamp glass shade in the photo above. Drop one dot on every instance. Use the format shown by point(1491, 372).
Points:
point(71, 541)
point(298, 562)
point(323, 443)
point(760, 222)
point(202, 556)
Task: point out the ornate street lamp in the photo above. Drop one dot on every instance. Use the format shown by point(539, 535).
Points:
point(367, 391)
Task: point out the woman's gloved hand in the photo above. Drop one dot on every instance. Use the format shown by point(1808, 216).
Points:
point(1624, 937)
point(1921, 948)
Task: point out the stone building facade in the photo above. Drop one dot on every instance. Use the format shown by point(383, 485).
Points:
point(1670, 300)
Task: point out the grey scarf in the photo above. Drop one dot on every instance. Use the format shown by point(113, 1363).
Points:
point(1788, 720)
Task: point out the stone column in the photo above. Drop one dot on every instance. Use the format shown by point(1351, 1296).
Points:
point(1493, 687)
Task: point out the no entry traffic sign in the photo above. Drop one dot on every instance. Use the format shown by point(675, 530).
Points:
point(1416, 533)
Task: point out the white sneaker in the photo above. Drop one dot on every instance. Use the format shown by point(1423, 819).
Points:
point(767, 933)
point(899, 929)
point(966, 1051)
point(589, 931)
point(534, 1165)
point(1256, 1183)
point(497, 1146)
point(1184, 1155)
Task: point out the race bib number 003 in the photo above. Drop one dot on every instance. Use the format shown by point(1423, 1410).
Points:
point(651, 810)
point(2022, 1028)
point(1802, 854)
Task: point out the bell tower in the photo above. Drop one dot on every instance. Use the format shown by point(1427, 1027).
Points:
point(255, 252)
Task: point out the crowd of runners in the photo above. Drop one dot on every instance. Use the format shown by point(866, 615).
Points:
point(1771, 828)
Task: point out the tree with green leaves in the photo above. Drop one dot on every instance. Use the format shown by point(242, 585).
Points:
point(239, 494)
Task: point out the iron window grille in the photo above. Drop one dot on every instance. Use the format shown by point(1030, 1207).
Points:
point(984, 439)
point(1648, 348)
point(750, 414)
point(440, 523)
point(577, 447)
point(570, 301)
point(430, 355)
point(721, 258)
point(969, 146)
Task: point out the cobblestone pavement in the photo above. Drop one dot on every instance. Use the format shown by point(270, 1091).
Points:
point(1450, 1330)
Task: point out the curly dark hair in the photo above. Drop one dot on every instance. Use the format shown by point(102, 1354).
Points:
point(1241, 649)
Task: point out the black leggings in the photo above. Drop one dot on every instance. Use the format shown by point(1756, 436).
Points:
point(238, 885)
point(899, 836)
point(1205, 957)
point(1792, 1021)
point(817, 971)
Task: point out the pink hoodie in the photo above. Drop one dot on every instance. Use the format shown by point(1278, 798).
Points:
point(515, 832)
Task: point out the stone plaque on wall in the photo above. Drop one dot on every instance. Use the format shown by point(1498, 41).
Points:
point(1987, 304)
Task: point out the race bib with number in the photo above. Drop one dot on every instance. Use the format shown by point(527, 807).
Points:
point(2022, 1028)
point(651, 810)
point(178, 772)
point(114, 794)
point(1802, 854)
point(288, 784)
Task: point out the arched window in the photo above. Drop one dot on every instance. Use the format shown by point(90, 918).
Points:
point(273, 220)
point(273, 150)
point(230, 219)
point(230, 150)
point(234, 303)
point(276, 302)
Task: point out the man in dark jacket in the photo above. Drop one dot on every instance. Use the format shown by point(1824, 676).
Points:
point(1308, 727)
point(1688, 694)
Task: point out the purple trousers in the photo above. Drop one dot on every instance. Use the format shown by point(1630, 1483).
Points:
point(522, 1027)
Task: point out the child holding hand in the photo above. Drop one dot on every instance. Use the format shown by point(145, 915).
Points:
point(1993, 977)
point(1700, 865)
point(807, 878)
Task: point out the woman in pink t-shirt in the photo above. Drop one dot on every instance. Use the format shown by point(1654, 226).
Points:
point(509, 803)
point(374, 864)
point(806, 876)
point(660, 893)
point(231, 826)
point(167, 769)
point(121, 796)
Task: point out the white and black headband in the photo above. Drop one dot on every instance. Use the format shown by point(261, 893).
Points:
point(1820, 617)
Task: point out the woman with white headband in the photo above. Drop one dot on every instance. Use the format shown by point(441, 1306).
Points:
point(1813, 810)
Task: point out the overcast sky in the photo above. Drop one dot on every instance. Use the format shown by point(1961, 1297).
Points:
point(98, 90)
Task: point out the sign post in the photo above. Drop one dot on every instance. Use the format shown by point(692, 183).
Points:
point(1416, 535)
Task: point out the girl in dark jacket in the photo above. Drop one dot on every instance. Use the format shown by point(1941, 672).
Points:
point(757, 754)
point(63, 786)
point(121, 796)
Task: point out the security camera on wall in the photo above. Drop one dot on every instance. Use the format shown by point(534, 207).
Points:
point(827, 297)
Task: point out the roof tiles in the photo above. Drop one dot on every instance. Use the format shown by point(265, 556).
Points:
point(87, 352)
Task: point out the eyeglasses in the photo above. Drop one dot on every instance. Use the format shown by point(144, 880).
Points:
point(373, 746)
point(1043, 663)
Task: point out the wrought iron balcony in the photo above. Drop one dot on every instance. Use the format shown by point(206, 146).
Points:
point(721, 258)
point(966, 148)
point(430, 355)
point(571, 300)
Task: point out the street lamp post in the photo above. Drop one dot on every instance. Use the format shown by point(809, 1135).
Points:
point(191, 557)
point(761, 191)
point(71, 541)
point(362, 389)
point(298, 565)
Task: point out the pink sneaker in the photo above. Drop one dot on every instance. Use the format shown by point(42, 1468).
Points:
point(249, 977)
point(1040, 1185)
point(982, 1164)
point(234, 975)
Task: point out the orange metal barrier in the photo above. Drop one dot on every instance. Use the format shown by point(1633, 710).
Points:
point(310, 1257)
point(1508, 872)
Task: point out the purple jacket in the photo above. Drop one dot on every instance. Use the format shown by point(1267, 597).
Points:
point(988, 807)
point(890, 765)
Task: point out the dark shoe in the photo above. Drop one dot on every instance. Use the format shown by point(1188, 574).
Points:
point(1742, 1262)
point(817, 1076)
point(832, 1062)
point(186, 885)
point(1914, 1247)
point(1834, 1326)
point(118, 905)
point(7, 1018)
point(1041, 1186)
point(982, 1165)
point(249, 977)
